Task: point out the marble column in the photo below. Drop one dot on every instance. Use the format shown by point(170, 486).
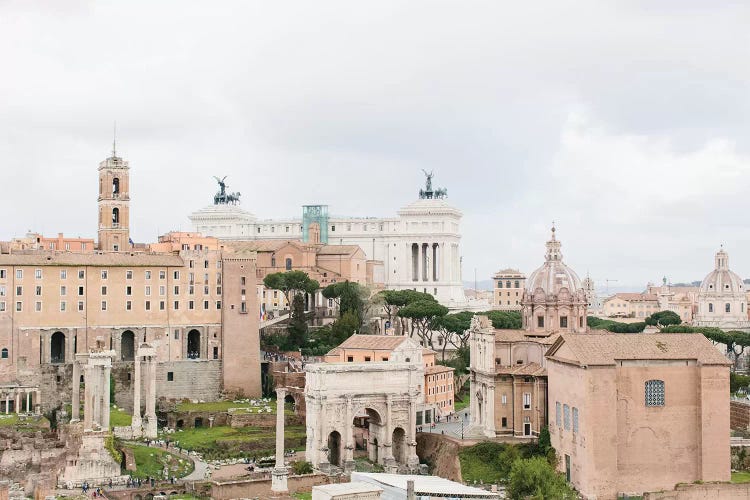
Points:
point(388, 441)
point(105, 397)
point(37, 402)
point(88, 394)
point(412, 459)
point(28, 401)
point(75, 407)
point(7, 404)
point(280, 472)
point(136, 422)
point(18, 401)
point(349, 437)
point(96, 394)
point(323, 450)
point(150, 427)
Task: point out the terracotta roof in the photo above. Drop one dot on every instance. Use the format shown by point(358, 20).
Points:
point(431, 370)
point(260, 245)
point(640, 297)
point(526, 369)
point(386, 342)
point(426, 350)
point(113, 259)
point(338, 249)
point(603, 349)
point(523, 336)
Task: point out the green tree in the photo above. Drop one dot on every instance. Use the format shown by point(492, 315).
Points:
point(536, 479)
point(454, 330)
point(297, 328)
point(291, 283)
point(394, 300)
point(348, 295)
point(504, 320)
point(664, 318)
point(423, 314)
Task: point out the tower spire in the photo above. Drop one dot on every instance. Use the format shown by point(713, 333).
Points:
point(114, 140)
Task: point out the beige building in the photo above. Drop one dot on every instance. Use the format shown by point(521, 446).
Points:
point(438, 379)
point(508, 289)
point(36, 241)
point(194, 302)
point(637, 413)
point(631, 305)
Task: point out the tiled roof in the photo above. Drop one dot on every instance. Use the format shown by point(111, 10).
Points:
point(386, 342)
point(606, 349)
point(338, 249)
point(431, 370)
point(259, 245)
point(526, 369)
point(113, 259)
point(523, 336)
point(637, 297)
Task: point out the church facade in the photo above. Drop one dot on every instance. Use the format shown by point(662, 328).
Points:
point(419, 248)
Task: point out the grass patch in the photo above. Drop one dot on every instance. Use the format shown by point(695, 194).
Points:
point(223, 406)
point(461, 404)
point(150, 462)
point(491, 462)
point(119, 417)
point(741, 477)
point(303, 496)
point(26, 423)
point(228, 442)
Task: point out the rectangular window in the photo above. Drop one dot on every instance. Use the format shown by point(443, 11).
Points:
point(563, 321)
point(38, 291)
point(526, 400)
point(3, 274)
point(566, 417)
point(63, 305)
point(162, 275)
point(176, 305)
point(80, 290)
point(205, 304)
point(575, 419)
point(218, 290)
point(148, 290)
point(19, 291)
point(216, 352)
point(176, 290)
point(162, 305)
point(2, 306)
point(176, 275)
point(504, 422)
point(128, 305)
point(191, 264)
point(218, 304)
point(128, 275)
point(205, 290)
point(243, 307)
point(38, 306)
point(63, 274)
point(218, 278)
point(19, 274)
point(162, 290)
point(81, 274)
point(505, 399)
point(104, 274)
point(104, 305)
point(80, 305)
point(191, 277)
point(148, 305)
point(177, 334)
point(191, 290)
point(104, 290)
point(38, 274)
point(205, 264)
point(350, 359)
point(2, 291)
point(191, 305)
point(654, 392)
point(218, 264)
point(19, 306)
point(242, 280)
point(558, 414)
point(540, 321)
point(128, 290)
point(148, 275)
point(170, 376)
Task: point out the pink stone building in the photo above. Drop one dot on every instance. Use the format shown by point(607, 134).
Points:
point(638, 413)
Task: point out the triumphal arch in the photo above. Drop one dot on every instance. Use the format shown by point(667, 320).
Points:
point(376, 399)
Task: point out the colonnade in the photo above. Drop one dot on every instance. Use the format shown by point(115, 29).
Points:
point(145, 359)
point(97, 367)
point(18, 395)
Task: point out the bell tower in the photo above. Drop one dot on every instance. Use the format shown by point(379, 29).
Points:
point(114, 204)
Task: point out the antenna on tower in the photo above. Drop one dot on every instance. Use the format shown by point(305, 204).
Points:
point(114, 141)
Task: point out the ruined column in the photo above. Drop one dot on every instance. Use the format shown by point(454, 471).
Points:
point(18, 401)
point(75, 407)
point(323, 449)
point(136, 423)
point(280, 472)
point(96, 391)
point(412, 460)
point(28, 401)
point(7, 403)
point(37, 402)
point(106, 370)
point(88, 394)
point(150, 427)
point(388, 441)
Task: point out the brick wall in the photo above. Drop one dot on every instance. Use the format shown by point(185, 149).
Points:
point(739, 415)
point(192, 379)
point(261, 488)
point(713, 491)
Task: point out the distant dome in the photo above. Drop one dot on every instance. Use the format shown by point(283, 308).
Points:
point(554, 275)
point(722, 281)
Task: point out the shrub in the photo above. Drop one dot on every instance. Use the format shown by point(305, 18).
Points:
point(302, 467)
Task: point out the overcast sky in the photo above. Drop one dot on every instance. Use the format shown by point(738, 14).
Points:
point(625, 122)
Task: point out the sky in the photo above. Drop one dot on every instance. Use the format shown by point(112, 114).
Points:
point(625, 122)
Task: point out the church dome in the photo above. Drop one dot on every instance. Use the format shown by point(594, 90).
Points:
point(554, 275)
point(722, 281)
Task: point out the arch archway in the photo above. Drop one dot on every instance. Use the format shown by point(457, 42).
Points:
point(57, 348)
point(334, 448)
point(127, 346)
point(116, 186)
point(198, 423)
point(399, 445)
point(115, 216)
point(194, 344)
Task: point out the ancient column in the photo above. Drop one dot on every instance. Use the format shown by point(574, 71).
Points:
point(323, 448)
point(388, 441)
point(136, 422)
point(37, 401)
point(106, 370)
point(150, 427)
point(412, 459)
point(7, 403)
point(349, 437)
point(18, 401)
point(280, 472)
point(96, 394)
point(88, 393)
point(28, 401)
point(75, 407)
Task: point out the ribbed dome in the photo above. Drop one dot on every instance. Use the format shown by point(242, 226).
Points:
point(722, 281)
point(554, 274)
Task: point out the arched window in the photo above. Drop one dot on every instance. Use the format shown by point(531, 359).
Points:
point(116, 215)
point(710, 307)
point(115, 186)
point(57, 347)
point(4, 353)
point(194, 344)
point(654, 393)
point(288, 264)
point(727, 307)
point(127, 346)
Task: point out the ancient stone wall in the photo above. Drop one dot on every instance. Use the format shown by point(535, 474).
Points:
point(28, 458)
point(261, 488)
point(193, 379)
point(739, 415)
point(267, 420)
point(713, 491)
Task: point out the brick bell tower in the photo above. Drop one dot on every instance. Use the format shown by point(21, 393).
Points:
point(114, 204)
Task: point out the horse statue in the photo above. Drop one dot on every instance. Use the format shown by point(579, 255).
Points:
point(222, 197)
